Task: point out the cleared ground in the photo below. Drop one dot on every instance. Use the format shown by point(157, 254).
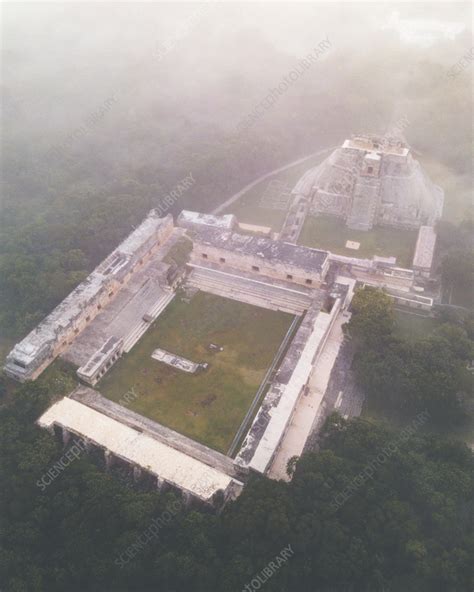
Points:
point(208, 406)
point(248, 208)
point(328, 232)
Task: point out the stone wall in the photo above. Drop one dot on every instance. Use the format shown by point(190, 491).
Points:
point(224, 258)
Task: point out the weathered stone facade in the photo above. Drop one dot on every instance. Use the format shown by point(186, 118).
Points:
point(263, 256)
point(58, 330)
point(311, 283)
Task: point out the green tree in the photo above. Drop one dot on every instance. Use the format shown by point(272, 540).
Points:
point(373, 320)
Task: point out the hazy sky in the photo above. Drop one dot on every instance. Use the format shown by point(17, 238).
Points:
point(290, 26)
point(62, 60)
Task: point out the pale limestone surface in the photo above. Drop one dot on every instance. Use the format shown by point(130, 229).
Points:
point(424, 250)
point(309, 405)
point(140, 449)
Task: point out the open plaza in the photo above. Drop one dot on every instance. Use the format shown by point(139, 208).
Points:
point(207, 405)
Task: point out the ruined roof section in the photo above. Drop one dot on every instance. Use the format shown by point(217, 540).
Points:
point(188, 217)
point(265, 248)
point(425, 246)
point(138, 448)
point(375, 143)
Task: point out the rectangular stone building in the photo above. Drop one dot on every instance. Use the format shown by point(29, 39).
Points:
point(264, 256)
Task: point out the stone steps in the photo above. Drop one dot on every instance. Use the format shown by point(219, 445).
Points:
point(248, 291)
point(140, 328)
point(254, 295)
point(364, 206)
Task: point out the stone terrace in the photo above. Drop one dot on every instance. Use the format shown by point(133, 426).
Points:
point(264, 292)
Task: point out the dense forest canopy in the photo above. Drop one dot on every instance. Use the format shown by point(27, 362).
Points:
point(373, 510)
point(410, 377)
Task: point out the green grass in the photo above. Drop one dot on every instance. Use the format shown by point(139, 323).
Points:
point(209, 406)
point(329, 232)
point(247, 208)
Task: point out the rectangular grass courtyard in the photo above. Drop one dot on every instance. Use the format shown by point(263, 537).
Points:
point(209, 406)
point(329, 232)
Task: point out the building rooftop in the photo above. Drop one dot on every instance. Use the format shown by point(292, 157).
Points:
point(99, 357)
point(71, 307)
point(226, 221)
point(139, 448)
point(425, 246)
point(373, 156)
point(266, 248)
point(380, 144)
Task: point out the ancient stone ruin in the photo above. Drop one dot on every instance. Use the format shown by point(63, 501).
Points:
point(372, 180)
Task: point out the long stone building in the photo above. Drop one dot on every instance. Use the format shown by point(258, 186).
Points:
point(62, 326)
point(147, 448)
point(372, 180)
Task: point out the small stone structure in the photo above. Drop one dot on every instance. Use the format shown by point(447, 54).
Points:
point(255, 229)
point(372, 180)
point(99, 363)
point(177, 362)
point(354, 245)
